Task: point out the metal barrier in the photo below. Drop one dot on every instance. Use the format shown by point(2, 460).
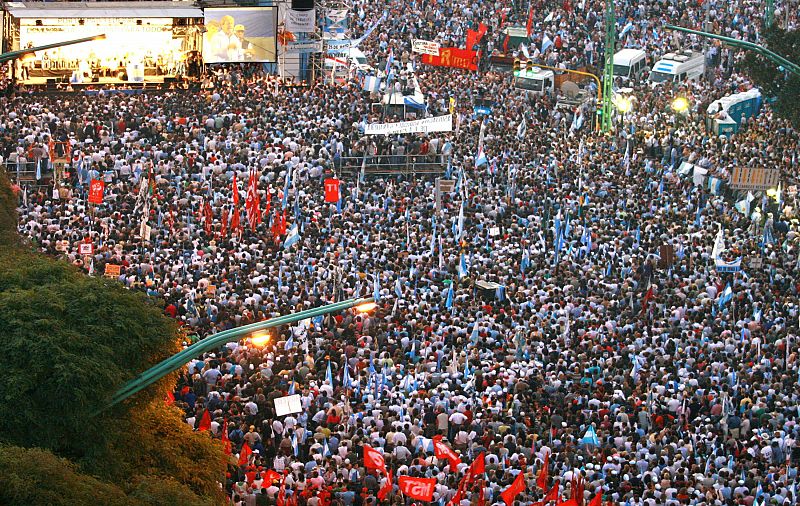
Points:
point(392, 164)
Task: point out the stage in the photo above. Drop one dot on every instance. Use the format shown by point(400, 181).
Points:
point(41, 84)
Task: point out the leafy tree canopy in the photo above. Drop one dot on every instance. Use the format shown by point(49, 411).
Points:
point(785, 87)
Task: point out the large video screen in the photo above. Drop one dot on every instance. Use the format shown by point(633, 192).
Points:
point(240, 34)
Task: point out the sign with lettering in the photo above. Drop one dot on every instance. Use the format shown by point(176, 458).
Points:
point(112, 270)
point(425, 47)
point(453, 57)
point(751, 178)
point(434, 124)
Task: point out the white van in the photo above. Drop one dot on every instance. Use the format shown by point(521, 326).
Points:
point(630, 63)
point(346, 59)
point(535, 80)
point(678, 66)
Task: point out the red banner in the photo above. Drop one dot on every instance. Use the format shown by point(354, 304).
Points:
point(417, 488)
point(373, 459)
point(453, 57)
point(332, 190)
point(96, 191)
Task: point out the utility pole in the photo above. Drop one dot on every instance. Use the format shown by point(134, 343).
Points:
point(608, 68)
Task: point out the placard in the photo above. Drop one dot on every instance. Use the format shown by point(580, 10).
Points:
point(96, 191)
point(331, 190)
point(288, 405)
point(112, 270)
point(752, 178)
point(300, 21)
point(494, 231)
point(453, 57)
point(86, 248)
point(435, 124)
point(425, 47)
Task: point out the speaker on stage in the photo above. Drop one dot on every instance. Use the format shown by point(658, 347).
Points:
point(95, 79)
point(302, 5)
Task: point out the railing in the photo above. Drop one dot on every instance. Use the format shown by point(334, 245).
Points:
point(392, 164)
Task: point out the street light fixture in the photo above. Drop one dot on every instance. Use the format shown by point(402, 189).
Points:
point(366, 307)
point(680, 105)
point(624, 104)
point(260, 338)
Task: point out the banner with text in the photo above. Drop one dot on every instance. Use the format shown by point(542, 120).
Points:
point(304, 46)
point(335, 26)
point(425, 47)
point(300, 21)
point(435, 124)
point(453, 57)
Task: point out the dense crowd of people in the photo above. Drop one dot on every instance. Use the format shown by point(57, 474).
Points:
point(560, 318)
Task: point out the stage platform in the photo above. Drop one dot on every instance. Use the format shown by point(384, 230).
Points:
point(151, 83)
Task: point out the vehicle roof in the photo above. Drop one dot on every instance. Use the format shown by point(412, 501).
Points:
point(627, 54)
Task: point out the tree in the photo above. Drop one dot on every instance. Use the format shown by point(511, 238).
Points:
point(8, 213)
point(69, 343)
point(784, 86)
point(34, 477)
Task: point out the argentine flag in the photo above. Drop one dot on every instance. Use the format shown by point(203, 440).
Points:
point(590, 437)
point(481, 159)
point(463, 270)
point(292, 237)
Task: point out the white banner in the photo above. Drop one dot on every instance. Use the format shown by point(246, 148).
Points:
point(304, 46)
point(425, 47)
point(288, 405)
point(300, 21)
point(435, 124)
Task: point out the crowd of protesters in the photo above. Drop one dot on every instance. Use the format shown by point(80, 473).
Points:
point(557, 326)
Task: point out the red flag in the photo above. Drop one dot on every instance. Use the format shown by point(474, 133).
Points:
point(169, 400)
point(569, 502)
point(226, 443)
point(205, 422)
point(244, 455)
point(208, 216)
point(271, 476)
point(325, 497)
point(541, 480)
point(417, 488)
point(442, 451)
point(331, 190)
point(235, 191)
point(252, 203)
point(171, 220)
point(223, 231)
point(514, 489)
point(269, 204)
point(553, 495)
point(482, 29)
point(373, 459)
point(478, 467)
point(647, 298)
point(505, 44)
point(598, 500)
point(96, 188)
point(283, 223)
point(386, 488)
point(236, 222)
point(472, 38)
point(578, 484)
point(529, 25)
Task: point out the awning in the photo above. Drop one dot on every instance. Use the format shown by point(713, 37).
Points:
point(41, 10)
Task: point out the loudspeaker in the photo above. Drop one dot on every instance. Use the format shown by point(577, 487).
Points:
point(302, 5)
point(51, 83)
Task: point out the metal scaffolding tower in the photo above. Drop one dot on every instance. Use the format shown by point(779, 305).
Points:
point(608, 68)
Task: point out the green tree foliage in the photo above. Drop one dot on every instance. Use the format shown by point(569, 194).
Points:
point(33, 476)
point(36, 477)
point(70, 341)
point(785, 87)
point(8, 213)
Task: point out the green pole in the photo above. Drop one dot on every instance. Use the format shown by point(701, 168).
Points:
point(608, 68)
point(743, 44)
point(214, 341)
point(769, 16)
